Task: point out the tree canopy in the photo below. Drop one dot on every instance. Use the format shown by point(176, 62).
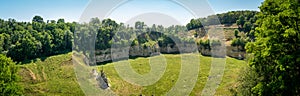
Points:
point(275, 52)
point(228, 18)
point(29, 40)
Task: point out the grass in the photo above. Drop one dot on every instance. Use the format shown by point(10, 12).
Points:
point(55, 76)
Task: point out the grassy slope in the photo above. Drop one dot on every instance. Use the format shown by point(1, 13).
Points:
point(55, 76)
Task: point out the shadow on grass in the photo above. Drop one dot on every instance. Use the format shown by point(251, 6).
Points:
point(121, 59)
point(42, 58)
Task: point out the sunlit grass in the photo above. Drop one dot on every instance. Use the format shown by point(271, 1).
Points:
point(55, 76)
point(141, 65)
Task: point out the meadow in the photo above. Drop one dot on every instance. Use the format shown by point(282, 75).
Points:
point(55, 76)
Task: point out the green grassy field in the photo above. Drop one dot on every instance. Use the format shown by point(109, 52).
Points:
point(55, 76)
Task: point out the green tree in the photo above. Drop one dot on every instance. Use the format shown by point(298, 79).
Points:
point(9, 77)
point(46, 40)
point(241, 21)
point(275, 52)
point(4, 42)
point(37, 26)
point(239, 43)
point(68, 41)
point(247, 27)
point(139, 25)
point(236, 33)
point(61, 21)
point(1, 43)
point(38, 19)
point(194, 23)
point(58, 35)
point(26, 48)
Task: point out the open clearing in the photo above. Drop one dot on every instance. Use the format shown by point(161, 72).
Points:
point(55, 76)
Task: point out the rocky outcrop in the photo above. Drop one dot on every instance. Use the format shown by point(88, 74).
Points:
point(235, 52)
point(125, 52)
point(231, 51)
point(114, 54)
point(216, 51)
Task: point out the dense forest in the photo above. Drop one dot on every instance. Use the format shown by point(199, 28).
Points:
point(28, 40)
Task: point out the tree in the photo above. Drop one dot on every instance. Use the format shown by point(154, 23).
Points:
point(1, 43)
point(38, 19)
point(194, 23)
point(26, 48)
point(239, 42)
point(46, 40)
point(247, 27)
point(58, 36)
point(8, 77)
point(153, 28)
point(139, 25)
point(68, 39)
point(95, 21)
point(37, 26)
point(275, 52)
point(4, 42)
point(61, 21)
point(241, 21)
point(236, 33)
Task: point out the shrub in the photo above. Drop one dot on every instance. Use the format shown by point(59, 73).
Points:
point(8, 77)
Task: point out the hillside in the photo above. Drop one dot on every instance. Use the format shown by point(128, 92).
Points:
point(52, 76)
point(55, 76)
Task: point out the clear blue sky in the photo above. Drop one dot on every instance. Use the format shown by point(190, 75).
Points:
point(71, 10)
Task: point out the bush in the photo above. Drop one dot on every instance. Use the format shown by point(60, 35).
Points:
point(239, 42)
point(248, 78)
point(8, 77)
point(204, 44)
point(207, 44)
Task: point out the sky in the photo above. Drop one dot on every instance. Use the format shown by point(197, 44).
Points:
point(75, 10)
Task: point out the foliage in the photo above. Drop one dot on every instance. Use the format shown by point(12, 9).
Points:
point(38, 19)
point(24, 40)
point(29, 40)
point(207, 44)
point(239, 42)
point(194, 23)
point(246, 80)
point(9, 77)
point(241, 21)
point(236, 32)
point(228, 18)
point(276, 48)
point(247, 26)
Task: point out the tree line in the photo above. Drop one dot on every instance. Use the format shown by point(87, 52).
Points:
point(107, 33)
point(28, 40)
point(228, 18)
